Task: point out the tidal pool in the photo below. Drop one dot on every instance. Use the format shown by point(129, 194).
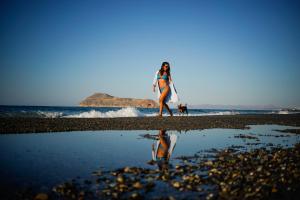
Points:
point(40, 161)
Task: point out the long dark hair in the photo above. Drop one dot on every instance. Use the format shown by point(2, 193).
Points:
point(161, 71)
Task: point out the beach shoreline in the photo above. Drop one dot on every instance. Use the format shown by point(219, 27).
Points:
point(180, 123)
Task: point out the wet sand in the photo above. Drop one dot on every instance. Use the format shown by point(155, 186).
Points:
point(38, 125)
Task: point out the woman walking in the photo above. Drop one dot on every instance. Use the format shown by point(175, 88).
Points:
point(163, 79)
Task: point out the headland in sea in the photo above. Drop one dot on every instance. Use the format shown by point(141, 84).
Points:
point(106, 100)
point(180, 123)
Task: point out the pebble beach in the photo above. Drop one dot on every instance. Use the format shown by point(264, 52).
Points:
point(39, 125)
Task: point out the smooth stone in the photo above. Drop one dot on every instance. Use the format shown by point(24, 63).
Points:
point(41, 196)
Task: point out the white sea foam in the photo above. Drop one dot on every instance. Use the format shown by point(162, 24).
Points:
point(219, 113)
point(50, 114)
point(198, 114)
point(283, 112)
point(57, 112)
point(124, 112)
point(133, 112)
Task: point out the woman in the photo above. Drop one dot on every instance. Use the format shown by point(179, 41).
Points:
point(163, 79)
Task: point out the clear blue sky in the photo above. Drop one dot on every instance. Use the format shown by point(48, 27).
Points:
point(221, 52)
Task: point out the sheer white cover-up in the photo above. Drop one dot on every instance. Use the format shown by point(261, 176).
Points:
point(172, 96)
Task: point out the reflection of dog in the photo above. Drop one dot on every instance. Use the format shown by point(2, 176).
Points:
point(182, 109)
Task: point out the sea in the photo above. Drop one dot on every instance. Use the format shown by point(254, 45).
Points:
point(112, 112)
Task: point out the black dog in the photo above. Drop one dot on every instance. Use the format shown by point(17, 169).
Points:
point(183, 109)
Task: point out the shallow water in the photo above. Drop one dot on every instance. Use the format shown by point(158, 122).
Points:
point(43, 160)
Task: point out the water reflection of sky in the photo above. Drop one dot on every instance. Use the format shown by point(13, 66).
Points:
point(48, 159)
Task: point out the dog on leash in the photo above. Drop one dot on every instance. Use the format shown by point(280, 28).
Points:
point(182, 109)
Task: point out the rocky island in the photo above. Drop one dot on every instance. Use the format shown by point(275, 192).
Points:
point(105, 100)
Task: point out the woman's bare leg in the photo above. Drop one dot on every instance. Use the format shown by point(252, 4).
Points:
point(168, 109)
point(162, 99)
point(161, 105)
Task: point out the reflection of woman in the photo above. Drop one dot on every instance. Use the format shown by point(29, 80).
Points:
point(163, 78)
point(164, 148)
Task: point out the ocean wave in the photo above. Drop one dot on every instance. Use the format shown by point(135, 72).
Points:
point(106, 112)
point(48, 114)
point(32, 114)
point(220, 113)
point(124, 112)
point(198, 114)
point(285, 112)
